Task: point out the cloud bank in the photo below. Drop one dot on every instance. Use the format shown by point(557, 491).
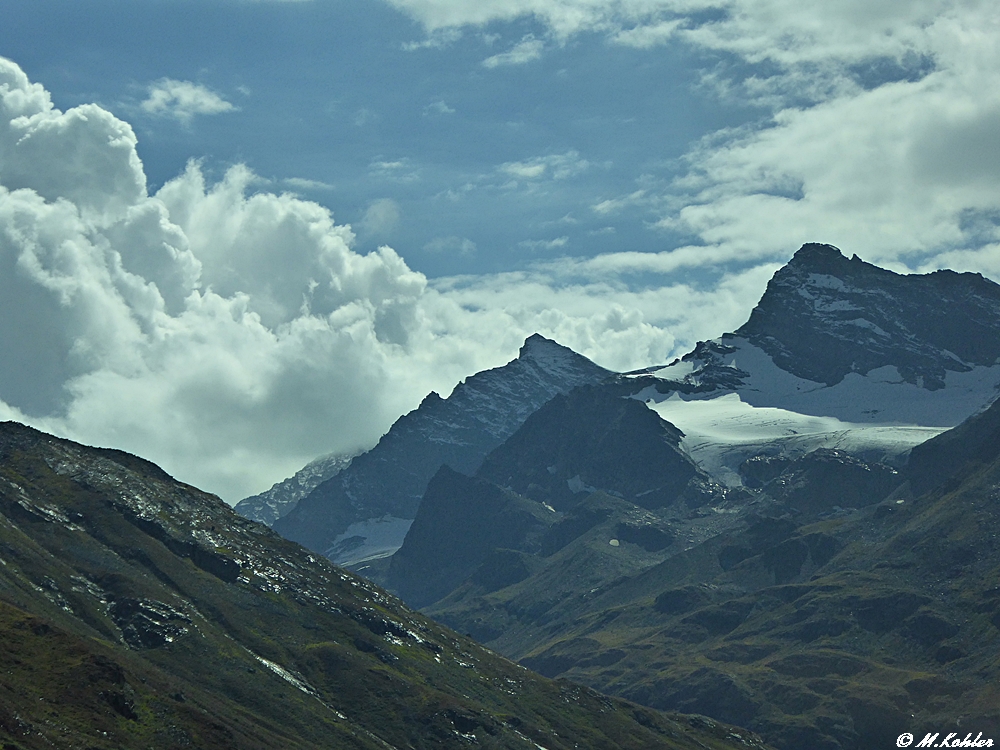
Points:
point(232, 334)
point(879, 126)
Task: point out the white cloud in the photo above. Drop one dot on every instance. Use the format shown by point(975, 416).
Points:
point(380, 218)
point(396, 170)
point(565, 17)
point(231, 334)
point(648, 35)
point(183, 100)
point(552, 167)
point(89, 154)
point(301, 183)
point(882, 135)
point(895, 170)
point(614, 205)
point(596, 314)
point(438, 108)
point(438, 39)
point(544, 244)
point(525, 51)
point(782, 30)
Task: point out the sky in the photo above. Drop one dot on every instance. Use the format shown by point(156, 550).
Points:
point(239, 234)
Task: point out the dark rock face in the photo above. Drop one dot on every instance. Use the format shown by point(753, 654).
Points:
point(590, 439)
point(458, 431)
point(502, 568)
point(976, 441)
point(594, 457)
point(757, 471)
point(146, 623)
point(824, 316)
point(461, 521)
point(821, 481)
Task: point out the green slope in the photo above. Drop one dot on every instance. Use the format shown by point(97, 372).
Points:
point(138, 612)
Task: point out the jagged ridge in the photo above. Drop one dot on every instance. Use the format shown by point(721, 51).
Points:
point(824, 316)
point(458, 431)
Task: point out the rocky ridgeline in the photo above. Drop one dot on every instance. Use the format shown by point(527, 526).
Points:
point(824, 316)
point(283, 496)
point(459, 431)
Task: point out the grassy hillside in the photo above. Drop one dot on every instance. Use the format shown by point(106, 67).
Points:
point(138, 612)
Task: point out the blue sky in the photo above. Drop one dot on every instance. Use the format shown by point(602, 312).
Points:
point(342, 94)
point(235, 235)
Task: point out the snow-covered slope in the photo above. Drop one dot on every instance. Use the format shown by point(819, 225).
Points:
point(837, 354)
point(721, 432)
point(369, 540)
point(356, 514)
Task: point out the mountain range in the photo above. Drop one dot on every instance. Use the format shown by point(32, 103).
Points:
point(728, 533)
point(365, 510)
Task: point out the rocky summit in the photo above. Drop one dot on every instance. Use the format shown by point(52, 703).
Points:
point(824, 316)
point(381, 490)
point(838, 354)
point(138, 612)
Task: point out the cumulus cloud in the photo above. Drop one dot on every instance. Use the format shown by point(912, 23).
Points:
point(183, 100)
point(594, 312)
point(232, 334)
